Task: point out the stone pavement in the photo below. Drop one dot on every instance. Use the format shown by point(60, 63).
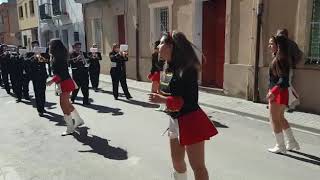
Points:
point(255, 111)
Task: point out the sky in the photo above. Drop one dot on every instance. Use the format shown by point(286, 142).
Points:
point(1, 1)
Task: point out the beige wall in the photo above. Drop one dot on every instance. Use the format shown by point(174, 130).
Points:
point(30, 21)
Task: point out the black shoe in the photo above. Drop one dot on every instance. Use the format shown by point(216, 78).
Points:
point(116, 98)
point(27, 98)
point(129, 97)
point(41, 114)
point(72, 101)
point(86, 103)
point(18, 100)
point(290, 110)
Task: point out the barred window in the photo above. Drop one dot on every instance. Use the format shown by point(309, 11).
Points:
point(97, 32)
point(314, 48)
point(164, 19)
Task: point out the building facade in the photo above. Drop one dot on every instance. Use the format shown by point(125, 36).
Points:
point(224, 32)
point(61, 19)
point(28, 21)
point(9, 27)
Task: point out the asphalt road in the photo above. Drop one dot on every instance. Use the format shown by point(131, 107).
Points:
point(122, 140)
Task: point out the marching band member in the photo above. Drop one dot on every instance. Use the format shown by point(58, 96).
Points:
point(20, 76)
point(62, 77)
point(5, 67)
point(39, 76)
point(189, 126)
point(94, 68)
point(80, 74)
point(118, 71)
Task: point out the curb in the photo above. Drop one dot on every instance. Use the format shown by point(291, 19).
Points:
point(244, 114)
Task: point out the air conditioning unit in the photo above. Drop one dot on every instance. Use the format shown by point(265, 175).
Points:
point(84, 1)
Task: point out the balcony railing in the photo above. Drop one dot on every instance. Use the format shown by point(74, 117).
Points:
point(84, 1)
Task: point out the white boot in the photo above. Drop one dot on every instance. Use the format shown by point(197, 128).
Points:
point(280, 146)
point(70, 125)
point(180, 176)
point(291, 141)
point(78, 120)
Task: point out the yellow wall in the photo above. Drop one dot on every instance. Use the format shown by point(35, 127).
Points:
point(30, 21)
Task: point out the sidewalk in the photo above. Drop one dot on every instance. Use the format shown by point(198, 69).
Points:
point(300, 120)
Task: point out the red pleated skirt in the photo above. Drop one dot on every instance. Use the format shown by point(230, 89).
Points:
point(195, 127)
point(68, 85)
point(282, 97)
point(154, 76)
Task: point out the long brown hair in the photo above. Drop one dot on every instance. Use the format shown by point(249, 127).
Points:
point(280, 64)
point(183, 54)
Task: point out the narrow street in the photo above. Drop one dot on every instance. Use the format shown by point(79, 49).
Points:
point(122, 140)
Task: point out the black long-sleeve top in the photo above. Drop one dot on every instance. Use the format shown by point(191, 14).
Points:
point(279, 82)
point(120, 61)
point(186, 87)
point(5, 62)
point(94, 61)
point(156, 64)
point(38, 69)
point(60, 69)
point(77, 64)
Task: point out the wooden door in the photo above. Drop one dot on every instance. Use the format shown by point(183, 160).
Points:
point(121, 30)
point(213, 42)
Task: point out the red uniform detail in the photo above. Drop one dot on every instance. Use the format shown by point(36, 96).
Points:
point(154, 76)
point(282, 97)
point(56, 79)
point(174, 103)
point(275, 90)
point(195, 127)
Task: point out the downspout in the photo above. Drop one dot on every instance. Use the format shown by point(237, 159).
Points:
point(138, 77)
point(85, 26)
point(257, 53)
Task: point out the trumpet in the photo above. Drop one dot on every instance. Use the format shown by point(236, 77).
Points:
point(80, 58)
point(41, 59)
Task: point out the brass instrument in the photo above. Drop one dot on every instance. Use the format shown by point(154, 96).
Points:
point(41, 59)
point(80, 58)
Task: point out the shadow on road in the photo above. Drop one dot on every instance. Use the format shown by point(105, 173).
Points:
point(140, 103)
point(54, 118)
point(307, 157)
point(48, 105)
point(103, 109)
point(110, 92)
point(99, 145)
point(218, 124)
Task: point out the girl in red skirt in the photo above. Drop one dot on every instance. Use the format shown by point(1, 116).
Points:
point(189, 126)
point(62, 77)
point(278, 95)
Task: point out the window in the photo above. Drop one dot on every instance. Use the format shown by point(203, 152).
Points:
point(31, 6)
point(25, 41)
point(314, 48)
point(164, 19)
point(76, 36)
point(26, 8)
point(56, 7)
point(97, 32)
point(20, 11)
point(1, 20)
point(57, 34)
point(65, 38)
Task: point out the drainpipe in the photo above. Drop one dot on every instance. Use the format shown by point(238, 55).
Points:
point(138, 77)
point(257, 60)
point(39, 25)
point(85, 26)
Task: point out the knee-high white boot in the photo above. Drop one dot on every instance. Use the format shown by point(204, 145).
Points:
point(291, 141)
point(70, 125)
point(280, 146)
point(78, 120)
point(180, 176)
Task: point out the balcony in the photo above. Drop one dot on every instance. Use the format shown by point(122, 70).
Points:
point(84, 1)
point(45, 12)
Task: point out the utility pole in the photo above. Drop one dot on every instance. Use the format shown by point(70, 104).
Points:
point(39, 23)
point(138, 40)
point(256, 65)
